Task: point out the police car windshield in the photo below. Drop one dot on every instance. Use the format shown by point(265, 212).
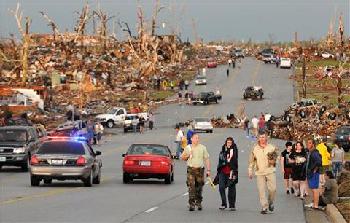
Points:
point(13, 135)
point(62, 147)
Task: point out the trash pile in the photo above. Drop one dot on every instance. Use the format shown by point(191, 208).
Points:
point(228, 121)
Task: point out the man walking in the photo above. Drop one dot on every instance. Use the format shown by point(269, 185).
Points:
point(196, 156)
point(178, 138)
point(255, 122)
point(314, 163)
point(262, 160)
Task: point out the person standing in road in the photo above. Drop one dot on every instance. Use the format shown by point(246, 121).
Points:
point(187, 83)
point(261, 123)
point(262, 160)
point(197, 157)
point(255, 122)
point(338, 159)
point(151, 121)
point(178, 138)
point(246, 125)
point(189, 134)
point(228, 173)
point(298, 160)
point(286, 167)
point(229, 62)
point(142, 124)
point(99, 131)
point(134, 123)
point(314, 163)
point(227, 72)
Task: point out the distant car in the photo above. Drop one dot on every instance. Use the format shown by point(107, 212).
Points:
point(253, 92)
point(212, 64)
point(64, 158)
point(327, 55)
point(285, 63)
point(238, 53)
point(268, 58)
point(200, 80)
point(305, 102)
point(17, 144)
point(128, 122)
point(202, 125)
point(205, 98)
point(342, 135)
point(144, 161)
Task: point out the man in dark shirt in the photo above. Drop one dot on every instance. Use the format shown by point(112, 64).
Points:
point(286, 167)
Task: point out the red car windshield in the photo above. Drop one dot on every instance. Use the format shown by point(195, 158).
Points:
point(148, 149)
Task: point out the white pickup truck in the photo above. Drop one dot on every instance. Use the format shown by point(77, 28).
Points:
point(116, 116)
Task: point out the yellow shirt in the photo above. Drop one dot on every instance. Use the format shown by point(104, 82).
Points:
point(198, 154)
point(258, 160)
point(326, 156)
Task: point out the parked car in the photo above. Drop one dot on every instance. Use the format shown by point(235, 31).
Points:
point(116, 116)
point(327, 55)
point(212, 64)
point(64, 158)
point(268, 58)
point(343, 137)
point(205, 98)
point(285, 63)
point(238, 53)
point(253, 92)
point(17, 144)
point(200, 80)
point(128, 123)
point(202, 125)
point(144, 161)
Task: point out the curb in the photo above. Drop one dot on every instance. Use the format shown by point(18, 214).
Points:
point(334, 214)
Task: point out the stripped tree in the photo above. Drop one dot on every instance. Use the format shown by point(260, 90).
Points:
point(25, 40)
point(102, 29)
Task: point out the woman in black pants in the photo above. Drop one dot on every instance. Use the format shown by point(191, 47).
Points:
point(228, 173)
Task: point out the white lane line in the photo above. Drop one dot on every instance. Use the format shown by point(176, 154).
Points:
point(151, 209)
point(185, 194)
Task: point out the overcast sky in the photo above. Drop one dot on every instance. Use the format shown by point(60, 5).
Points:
point(260, 20)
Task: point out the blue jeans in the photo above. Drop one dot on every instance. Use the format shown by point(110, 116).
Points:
point(337, 168)
point(178, 148)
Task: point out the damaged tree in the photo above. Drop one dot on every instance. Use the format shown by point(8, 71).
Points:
point(102, 29)
point(25, 41)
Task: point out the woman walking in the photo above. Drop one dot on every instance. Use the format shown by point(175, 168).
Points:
point(298, 159)
point(228, 173)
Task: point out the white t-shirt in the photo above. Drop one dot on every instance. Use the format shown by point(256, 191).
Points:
point(179, 136)
point(267, 117)
point(255, 122)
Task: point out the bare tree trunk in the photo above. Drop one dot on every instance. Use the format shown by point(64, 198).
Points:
point(304, 77)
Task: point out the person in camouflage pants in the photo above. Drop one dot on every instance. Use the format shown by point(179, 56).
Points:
point(195, 182)
point(196, 156)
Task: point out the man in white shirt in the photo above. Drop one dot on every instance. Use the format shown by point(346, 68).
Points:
point(178, 138)
point(255, 122)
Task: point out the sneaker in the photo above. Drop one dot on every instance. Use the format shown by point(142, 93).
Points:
point(292, 190)
point(271, 207)
point(191, 208)
point(309, 205)
point(222, 207)
point(199, 207)
point(287, 192)
point(263, 211)
point(232, 209)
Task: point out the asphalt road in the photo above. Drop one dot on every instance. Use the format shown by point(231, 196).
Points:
point(153, 201)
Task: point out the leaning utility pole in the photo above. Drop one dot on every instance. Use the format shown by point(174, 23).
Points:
point(25, 41)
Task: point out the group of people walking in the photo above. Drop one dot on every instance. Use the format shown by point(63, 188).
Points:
point(303, 166)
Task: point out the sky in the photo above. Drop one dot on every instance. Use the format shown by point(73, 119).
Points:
point(259, 20)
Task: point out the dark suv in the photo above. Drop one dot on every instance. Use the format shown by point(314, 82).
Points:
point(343, 137)
point(17, 144)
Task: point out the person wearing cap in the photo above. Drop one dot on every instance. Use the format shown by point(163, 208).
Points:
point(262, 160)
point(197, 157)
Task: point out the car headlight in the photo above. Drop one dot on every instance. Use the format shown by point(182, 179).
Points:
point(19, 150)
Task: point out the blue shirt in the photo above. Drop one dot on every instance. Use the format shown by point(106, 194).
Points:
point(189, 136)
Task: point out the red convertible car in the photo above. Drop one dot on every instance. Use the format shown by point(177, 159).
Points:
point(212, 64)
point(144, 161)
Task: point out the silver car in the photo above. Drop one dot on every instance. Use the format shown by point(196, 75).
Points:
point(65, 159)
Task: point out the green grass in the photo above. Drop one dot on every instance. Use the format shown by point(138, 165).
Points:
point(326, 62)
